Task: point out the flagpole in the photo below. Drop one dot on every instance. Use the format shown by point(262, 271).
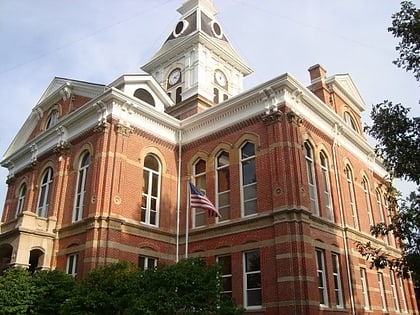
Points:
point(178, 203)
point(187, 219)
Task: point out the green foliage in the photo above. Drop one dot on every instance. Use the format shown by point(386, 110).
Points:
point(398, 145)
point(17, 292)
point(52, 289)
point(189, 287)
point(398, 138)
point(106, 290)
point(406, 27)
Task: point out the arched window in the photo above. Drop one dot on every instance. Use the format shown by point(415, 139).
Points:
point(366, 191)
point(248, 179)
point(45, 193)
point(379, 204)
point(178, 95)
point(81, 187)
point(200, 183)
point(151, 190)
point(223, 185)
point(216, 96)
point(327, 186)
point(52, 119)
point(352, 199)
point(309, 156)
point(350, 121)
point(145, 96)
point(21, 199)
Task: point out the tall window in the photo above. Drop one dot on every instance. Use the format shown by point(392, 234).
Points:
point(223, 185)
point(364, 284)
point(248, 179)
point(327, 186)
point(379, 203)
point(353, 208)
point(216, 96)
point(366, 191)
point(178, 95)
point(309, 156)
point(21, 199)
point(146, 262)
point(350, 121)
point(402, 295)
point(394, 291)
point(252, 279)
point(382, 290)
point(322, 282)
point(151, 190)
point(200, 183)
point(226, 273)
point(81, 187)
point(71, 268)
point(337, 281)
point(45, 193)
point(52, 119)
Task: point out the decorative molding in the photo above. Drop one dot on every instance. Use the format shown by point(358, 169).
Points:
point(62, 147)
point(294, 118)
point(101, 127)
point(123, 129)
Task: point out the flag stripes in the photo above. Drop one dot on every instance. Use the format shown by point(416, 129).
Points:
point(200, 201)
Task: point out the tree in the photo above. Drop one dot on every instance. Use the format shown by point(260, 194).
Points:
point(52, 289)
point(398, 144)
point(188, 287)
point(106, 290)
point(406, 26)
point(17, 292)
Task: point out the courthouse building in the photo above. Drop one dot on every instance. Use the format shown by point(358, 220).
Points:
point(99, 174)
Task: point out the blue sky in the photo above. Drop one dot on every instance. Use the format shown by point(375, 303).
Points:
point(98, 40)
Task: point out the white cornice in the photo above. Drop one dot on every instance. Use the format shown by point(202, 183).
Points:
point(180, 45)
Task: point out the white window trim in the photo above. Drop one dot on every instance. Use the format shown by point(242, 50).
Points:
point(82, 170)
point(394, 291)
point(366, 192)
point(365, 292)
point(352, 197)
point(148, 195)
point(72, 260)
point(327, 188)
point(404, 308)
point(321, 273)
point(382, 290)
point(337, 275)
point(242, 188)
point(310, 169)
point(218, 194)
point(227, 275)
point(146, 262)
point(245, 281)
point(43, 205)
point(21, 199)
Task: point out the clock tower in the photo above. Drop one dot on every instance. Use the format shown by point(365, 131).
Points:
point(197, 65)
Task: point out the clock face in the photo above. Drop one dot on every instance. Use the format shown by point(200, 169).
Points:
point(220, 78)
point(174, 76)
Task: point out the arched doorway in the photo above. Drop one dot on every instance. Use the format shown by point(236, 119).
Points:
point(6, 251)
point(36, 260)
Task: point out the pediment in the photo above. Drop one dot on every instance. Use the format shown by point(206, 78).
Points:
point(144, 88)
point(344, 84)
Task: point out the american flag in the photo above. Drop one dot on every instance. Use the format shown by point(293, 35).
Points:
point(200, 201)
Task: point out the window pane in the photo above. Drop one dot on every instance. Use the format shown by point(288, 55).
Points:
point(252, 261)
point(250, 207)
point(223, 179)
point(248, 150)
point(248, 172)
point(254, 297)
